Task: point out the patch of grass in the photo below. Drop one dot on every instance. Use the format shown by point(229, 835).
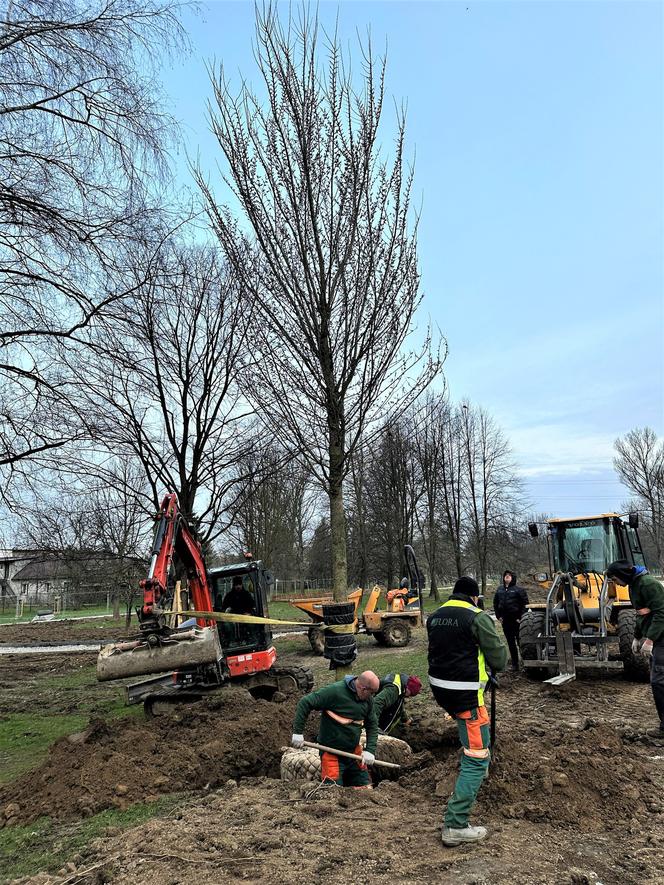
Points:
point(46, 845)
point(25, 738)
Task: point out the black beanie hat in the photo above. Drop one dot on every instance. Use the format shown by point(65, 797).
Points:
point(467, 586)
point(621, 569)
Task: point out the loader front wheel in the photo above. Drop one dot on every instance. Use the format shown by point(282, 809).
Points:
point(316, 640)
point(532, 625)
point(637, 667)
point(396, 633)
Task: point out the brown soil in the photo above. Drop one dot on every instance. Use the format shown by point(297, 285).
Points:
point(574, 796)
point(62, 631)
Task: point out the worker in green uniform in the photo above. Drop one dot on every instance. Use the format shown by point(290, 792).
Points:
point(390, 702)
point(346, 708)
point(462, 642)
point(647, 596)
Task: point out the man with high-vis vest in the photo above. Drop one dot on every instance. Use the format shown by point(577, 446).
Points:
point(463, 647)
point(346, 707)
point(390, 702)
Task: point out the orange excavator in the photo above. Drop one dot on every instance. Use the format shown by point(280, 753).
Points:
point(208, 650)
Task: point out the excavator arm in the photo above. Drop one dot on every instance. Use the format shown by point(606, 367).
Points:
point(161, 648)
point(173, 537)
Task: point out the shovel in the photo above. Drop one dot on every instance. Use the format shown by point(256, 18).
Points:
point(348, 755)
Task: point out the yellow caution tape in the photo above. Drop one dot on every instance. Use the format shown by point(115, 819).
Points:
point(230, 618)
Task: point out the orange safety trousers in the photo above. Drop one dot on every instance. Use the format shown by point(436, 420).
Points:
point(345, 772)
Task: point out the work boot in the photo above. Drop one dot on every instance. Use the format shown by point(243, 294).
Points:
point(459, 835)
point(655, 733)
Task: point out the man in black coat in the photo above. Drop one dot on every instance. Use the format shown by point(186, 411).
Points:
point(509, 604)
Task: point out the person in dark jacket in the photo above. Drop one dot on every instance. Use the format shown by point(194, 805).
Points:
point(462, 642)
point(390, 702)
point(509, 604)
point(647, 596)
point(238, 600)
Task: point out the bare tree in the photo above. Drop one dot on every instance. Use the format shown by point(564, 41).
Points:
point(163, 386)
point(452, 482)
point(332, 264)
point(81, 135)
point(99, 537)
point(640, 466)
point(491, 484)
point(275, 510)
point(429, 440)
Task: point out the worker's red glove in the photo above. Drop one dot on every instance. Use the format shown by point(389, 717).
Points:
point(646, 648)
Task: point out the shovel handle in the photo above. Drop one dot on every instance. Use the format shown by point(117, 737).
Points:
point(347, 755)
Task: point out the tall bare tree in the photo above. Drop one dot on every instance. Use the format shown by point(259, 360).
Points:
point(429, 439)
point(163, 386)
point(640, 466)
point(491, 488)
point(276, 509)
point(81, 139)
point(331, 262)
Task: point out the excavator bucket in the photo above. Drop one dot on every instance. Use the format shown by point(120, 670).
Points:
point(185, 648)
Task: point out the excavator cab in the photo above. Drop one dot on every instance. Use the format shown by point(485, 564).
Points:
point(242, 588)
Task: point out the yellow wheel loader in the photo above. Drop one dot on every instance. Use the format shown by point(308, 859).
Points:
point(587, 621)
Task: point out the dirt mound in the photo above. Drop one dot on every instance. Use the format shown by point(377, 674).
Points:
point(571, 773)
point(118, 762)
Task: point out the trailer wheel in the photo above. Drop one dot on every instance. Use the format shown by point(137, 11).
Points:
point(396, 633)
point(316, 640)
point(637, 667)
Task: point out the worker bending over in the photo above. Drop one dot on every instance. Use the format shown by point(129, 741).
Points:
point(390, 702)
point(462, 642)
point(346, 707)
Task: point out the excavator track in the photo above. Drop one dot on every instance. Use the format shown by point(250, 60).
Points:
point(286, 680)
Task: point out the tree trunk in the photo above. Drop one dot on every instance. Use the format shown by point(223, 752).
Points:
point(338, 525)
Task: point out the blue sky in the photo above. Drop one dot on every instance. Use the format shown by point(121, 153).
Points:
point(537, 134)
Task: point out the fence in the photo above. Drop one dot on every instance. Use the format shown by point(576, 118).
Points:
point(60, 603)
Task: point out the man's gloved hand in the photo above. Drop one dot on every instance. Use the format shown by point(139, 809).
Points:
point(636, 646)
point(368, 758)
point(646, 648)
point(297, 741)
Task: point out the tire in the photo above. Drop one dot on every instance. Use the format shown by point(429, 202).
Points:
point(396, 633)
point(637, 667)
point(532, 624)
point(316, 640)
point(380, 639)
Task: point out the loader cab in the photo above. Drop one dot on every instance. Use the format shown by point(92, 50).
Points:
point(591, 544)
point(254, 582)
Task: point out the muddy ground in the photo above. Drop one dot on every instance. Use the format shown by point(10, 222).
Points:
point(576, 795)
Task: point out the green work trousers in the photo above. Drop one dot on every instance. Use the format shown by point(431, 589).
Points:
point(473, 728)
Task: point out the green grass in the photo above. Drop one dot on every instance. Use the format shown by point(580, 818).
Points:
point(25, 738)
point(66, 702)
point(46, 845)
point(8, 617)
